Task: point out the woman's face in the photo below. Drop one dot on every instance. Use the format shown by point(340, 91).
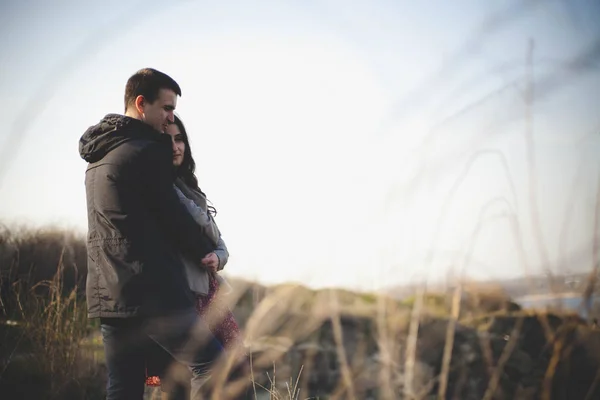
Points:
point(178, 144)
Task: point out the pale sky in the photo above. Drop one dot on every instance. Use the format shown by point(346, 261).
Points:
point(330, 135)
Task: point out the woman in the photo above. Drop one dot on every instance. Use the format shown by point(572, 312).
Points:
point(203, 279)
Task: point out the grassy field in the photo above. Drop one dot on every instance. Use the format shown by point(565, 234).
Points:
point(467, 342)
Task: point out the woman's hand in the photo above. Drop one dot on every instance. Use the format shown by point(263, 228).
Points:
point(211, 262)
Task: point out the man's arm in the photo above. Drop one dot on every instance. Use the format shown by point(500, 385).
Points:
point(173, 217)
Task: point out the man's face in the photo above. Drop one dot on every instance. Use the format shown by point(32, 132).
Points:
point(160, 113)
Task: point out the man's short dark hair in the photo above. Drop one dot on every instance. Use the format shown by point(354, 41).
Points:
point(147, 82)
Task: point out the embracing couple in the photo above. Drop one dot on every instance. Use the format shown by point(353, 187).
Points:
point(154, 249)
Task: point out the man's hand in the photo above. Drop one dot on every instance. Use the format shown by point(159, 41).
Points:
point(211, 262)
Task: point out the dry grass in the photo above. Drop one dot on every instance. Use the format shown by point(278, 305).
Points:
point(469, 343)
point(44, 320)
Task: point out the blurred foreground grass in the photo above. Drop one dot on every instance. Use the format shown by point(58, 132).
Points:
point(465, 342)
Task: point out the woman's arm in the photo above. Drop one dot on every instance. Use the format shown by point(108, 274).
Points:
point(201, 218)
point(208, 222)
point(222, 253)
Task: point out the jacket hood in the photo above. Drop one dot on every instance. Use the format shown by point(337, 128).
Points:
point(112, 131)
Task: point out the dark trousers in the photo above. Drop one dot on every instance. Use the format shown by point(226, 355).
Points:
point(127, 340)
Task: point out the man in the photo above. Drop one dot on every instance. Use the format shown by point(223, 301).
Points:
point(136, 282)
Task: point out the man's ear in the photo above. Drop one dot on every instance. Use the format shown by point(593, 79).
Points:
point(139, 103)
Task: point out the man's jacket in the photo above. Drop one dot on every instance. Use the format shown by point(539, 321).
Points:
point(137, 226)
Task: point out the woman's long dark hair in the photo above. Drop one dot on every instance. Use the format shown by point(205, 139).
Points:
point(187, 168)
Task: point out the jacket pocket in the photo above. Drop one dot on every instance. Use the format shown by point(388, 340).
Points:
point(119, 266)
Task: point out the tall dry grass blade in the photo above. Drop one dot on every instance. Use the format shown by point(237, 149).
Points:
point(506, 353)
point(252, 376)
point(339, 344)
point(531, 166)
point(385, 350)
point(593, 386)
point(8, 359)
point(411, 343)
point(551, 370)
point(593, 277)
point(308, 363)
point(220, 375)
point(450, 331)
point(273, 386)
point(295, 392)
point(486, 349)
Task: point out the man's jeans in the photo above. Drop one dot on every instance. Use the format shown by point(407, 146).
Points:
point(126, 341)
